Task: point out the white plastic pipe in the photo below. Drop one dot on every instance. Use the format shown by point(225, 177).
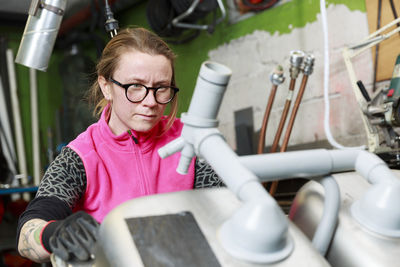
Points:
point(226, 164)
point(258, 231)
point(374, 169)
point(7, 140)
point(23, 171)
point(326, 228)
point(377, 209)
point(301, 164)
point(35, 127)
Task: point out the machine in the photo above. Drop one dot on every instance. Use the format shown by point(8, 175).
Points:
point(242, 225)
point(380, 114)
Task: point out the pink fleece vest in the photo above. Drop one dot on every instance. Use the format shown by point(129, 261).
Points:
point(119, 169)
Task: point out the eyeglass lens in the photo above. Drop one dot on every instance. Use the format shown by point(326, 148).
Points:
point(137, 93)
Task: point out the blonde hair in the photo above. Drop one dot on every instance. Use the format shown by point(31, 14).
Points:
point(138, 39)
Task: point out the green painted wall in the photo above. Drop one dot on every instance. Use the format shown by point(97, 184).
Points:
point(296, 13)
point(191, 55)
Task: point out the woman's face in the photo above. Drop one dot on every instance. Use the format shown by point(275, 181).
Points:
point(136, 67)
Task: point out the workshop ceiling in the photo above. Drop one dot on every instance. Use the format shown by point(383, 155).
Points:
point(15, 13)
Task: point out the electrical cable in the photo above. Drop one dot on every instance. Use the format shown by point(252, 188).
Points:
point(327, 129)
point(378, 26)
point(394, 11)
point(111, 24)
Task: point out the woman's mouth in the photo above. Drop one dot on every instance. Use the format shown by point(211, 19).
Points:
point(146, 116)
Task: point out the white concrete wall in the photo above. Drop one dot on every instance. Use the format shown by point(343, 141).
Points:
point(254, 56)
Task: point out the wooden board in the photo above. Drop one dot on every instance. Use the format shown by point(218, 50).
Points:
point(388, 49)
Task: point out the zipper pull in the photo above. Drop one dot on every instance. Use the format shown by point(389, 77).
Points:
point(133, 137)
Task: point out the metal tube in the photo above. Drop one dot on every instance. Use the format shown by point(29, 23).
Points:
point(8, 141)
point(40, 33)
point(292, 118)
point(307, 69)
point(284, 116)
point(35, 127)
point(296, 60)
point(276, 79)
point(263, 130)
point(274, 185)
point(22, 167)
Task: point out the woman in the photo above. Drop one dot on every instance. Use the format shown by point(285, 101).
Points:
point(115, 159)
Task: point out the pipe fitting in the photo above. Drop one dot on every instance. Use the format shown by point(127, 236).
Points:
point(261, 241)
point(296, 59)
point(277, 76)
point(308, 66)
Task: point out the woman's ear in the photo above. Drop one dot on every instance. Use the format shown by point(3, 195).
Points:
point(105, 87)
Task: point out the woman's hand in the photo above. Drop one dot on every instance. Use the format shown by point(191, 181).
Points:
point(30, 245)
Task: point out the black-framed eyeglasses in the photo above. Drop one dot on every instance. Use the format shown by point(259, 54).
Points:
point(136, 92)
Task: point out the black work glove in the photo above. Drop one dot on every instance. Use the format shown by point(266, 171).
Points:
point(75, 237)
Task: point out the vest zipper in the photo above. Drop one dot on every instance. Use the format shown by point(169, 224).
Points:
point(139, 162)
point(133, 137)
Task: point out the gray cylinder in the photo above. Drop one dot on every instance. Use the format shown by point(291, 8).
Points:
point(353, 244)
point(40, 34)
point(209, 91)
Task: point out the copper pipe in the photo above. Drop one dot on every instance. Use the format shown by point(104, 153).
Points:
point(294, 113)
point(296, 59)
point(284, 116)
point(276, 78)
point(274, 185)
point(307, 69)
point(263, 130)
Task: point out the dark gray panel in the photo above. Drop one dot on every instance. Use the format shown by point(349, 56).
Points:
point(171, 240)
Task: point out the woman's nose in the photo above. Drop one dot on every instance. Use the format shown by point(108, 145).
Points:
point(150, 99)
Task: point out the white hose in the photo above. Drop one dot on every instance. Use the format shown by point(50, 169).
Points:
point(35, 127)
point(22, 166)
point(327, 129)
point(327, 225)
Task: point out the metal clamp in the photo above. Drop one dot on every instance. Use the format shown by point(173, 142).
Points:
point(54, 9)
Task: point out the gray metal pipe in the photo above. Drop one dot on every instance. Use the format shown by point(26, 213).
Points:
point(300, 164)
point(40, 33)
point(326, 227)
point(227, 165)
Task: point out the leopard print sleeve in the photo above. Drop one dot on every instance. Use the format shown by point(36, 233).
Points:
point(65, 178)
point(205, 176)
